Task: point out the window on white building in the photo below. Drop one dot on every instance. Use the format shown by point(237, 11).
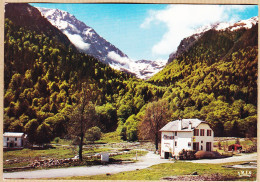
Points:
point(189, 144)
point(15, 139)
point(196, 132)
point(175, 133)
point(175, 143)
point(208, 132)
point(201, 132)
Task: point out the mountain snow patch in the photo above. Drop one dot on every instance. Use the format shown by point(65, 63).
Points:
point(88, 41)
point(187, 42)
point(228, 25)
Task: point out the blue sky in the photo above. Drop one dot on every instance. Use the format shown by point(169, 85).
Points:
point(151, 31)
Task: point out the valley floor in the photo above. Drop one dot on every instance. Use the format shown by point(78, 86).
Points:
point(143, 162)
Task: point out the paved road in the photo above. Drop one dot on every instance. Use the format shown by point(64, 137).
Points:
point(243, 157)
point(144, 162)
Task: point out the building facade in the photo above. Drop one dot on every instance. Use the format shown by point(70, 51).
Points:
point(188, 134)
point(14, 140)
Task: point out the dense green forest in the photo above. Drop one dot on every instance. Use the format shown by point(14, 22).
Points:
point(215, 80)
point(43, 78)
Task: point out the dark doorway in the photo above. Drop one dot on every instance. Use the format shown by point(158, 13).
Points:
point(11, 145)
point(166, 155)
point(196, 146)
point(208, 146)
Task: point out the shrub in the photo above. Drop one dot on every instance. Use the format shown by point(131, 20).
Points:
point(57, 139)
point(251, 149)
point(204, 155)
point(187, 154)
point(219, 145)
point(93, 134)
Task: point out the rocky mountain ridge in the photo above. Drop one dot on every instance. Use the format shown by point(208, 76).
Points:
point(87, 40)
point(82, 36)
point(188, 42)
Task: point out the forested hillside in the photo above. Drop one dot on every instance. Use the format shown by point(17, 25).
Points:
point(44, 74)
point(216, 80)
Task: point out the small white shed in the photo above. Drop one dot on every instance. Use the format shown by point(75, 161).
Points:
point(14, 140)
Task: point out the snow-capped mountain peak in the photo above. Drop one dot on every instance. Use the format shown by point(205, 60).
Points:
point(82, 36)
point(88, 41)
point(228, 26)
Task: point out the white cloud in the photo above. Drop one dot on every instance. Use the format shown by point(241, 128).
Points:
point(77, 41)
point(182, 20)
point(149, 19)
point(121, 60)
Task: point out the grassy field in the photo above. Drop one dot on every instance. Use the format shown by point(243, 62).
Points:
point(111, 137)
point(245, 142)
point(178, 168)
point(130, 156)
point(24, 157)
point(62, 142)
point(96, 150)
point(57, 152)
point(63, 150)
point(19, 164)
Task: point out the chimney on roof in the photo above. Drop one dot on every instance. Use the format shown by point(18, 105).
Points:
point(180, 125)
point(190, 125)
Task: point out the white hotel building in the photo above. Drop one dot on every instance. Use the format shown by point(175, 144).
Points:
point(188, 134)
